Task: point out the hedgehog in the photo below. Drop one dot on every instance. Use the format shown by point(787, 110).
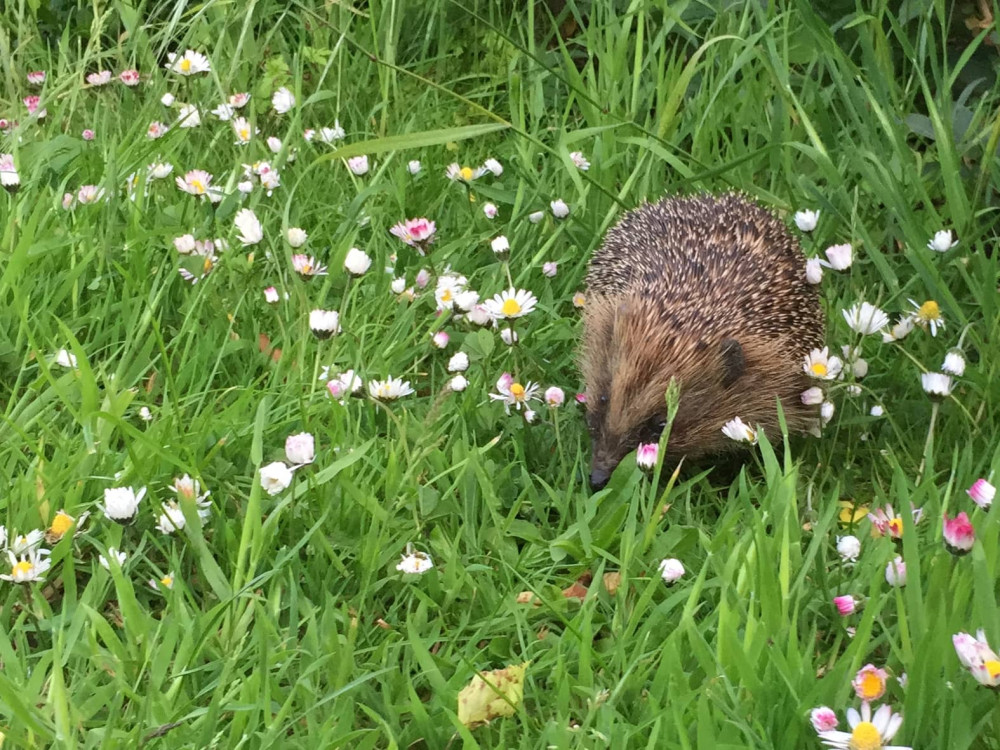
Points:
point(707, 289)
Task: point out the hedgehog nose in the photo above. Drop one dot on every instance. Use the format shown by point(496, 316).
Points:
point(598, 478)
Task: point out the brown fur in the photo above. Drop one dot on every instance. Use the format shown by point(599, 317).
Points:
point(712, 291)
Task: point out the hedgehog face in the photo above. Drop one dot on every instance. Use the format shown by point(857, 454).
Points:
point(628, 364)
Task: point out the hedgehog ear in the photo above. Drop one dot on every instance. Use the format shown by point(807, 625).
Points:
point(734, 364)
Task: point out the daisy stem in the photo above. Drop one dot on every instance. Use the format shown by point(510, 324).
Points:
point(506, 269)
point(929, 442)
point(559, 444)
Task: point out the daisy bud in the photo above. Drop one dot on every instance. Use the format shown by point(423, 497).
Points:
point(954, 363)
point(581, 399)
point(271, 295)
point(814, 270)
point(877, 411)
point(895, 572)
point(982, 493)
point(559, 208)
point(274, 144)
point(806, 220)
point(275, 477)
point(812, 396)
point(941, 241)
point(423, 278)
point(358, 165)
point(283, 100)
point(493, 166)
point(167, 99)
point(398, 285)
point(840, 257)
point(440, 339)
point(646, 456)
point(479, 315)
point(458, 383)
point(846, 605)
point(324, 323)
point(300, 449)
point(823, 719)
point(536, 216)
point(184, 244)
point(509, 336)
point(490, 210)
point(245, 187)
point(113, 554)
point(671, 569)
point(88, 135)
point(501, 247)
point(848, 547)
point(357, 262)
point(297, 237)
point(826, 411)
point(550, 268)
point(530, 416)
point(959, 534)
point(413, 166)
point(459, 362)
point(121, 503)
point(936, 384)
point(555, 396)
point(68, 200)
point(579, 160)
point(249, 225)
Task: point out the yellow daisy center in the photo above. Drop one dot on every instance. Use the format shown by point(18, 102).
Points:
point(61, 524)
point(244, 134)
point(818, 368)
point(22, 568)
point(306, 268)
point(896, 526)
point(167, 581)
point(185, 65)
point(510, 307)
point(872, 686)
point(207, 265)
point(517, 391)
point(865, 737)
point(992, 668)
point(198, 185)
point(446, 295)
point(466, 173)
point(929, 310)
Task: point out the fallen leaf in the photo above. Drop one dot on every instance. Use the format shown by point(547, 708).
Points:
point(612, 581)
point(578, 590)
point(492, 695)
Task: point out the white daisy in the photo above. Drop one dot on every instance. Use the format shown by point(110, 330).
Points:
point(819, 364)
point(189, 63)
point(927, 315)
point(867, 732)
point(512, 393)
point(738, 430)
point(866, 318)
point(389, 389)
point(28, 568)
point(514, 303)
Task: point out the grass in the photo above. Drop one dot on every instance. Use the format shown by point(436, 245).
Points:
point(288, 625)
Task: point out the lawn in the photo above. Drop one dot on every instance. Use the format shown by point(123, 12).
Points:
point(279, 466)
